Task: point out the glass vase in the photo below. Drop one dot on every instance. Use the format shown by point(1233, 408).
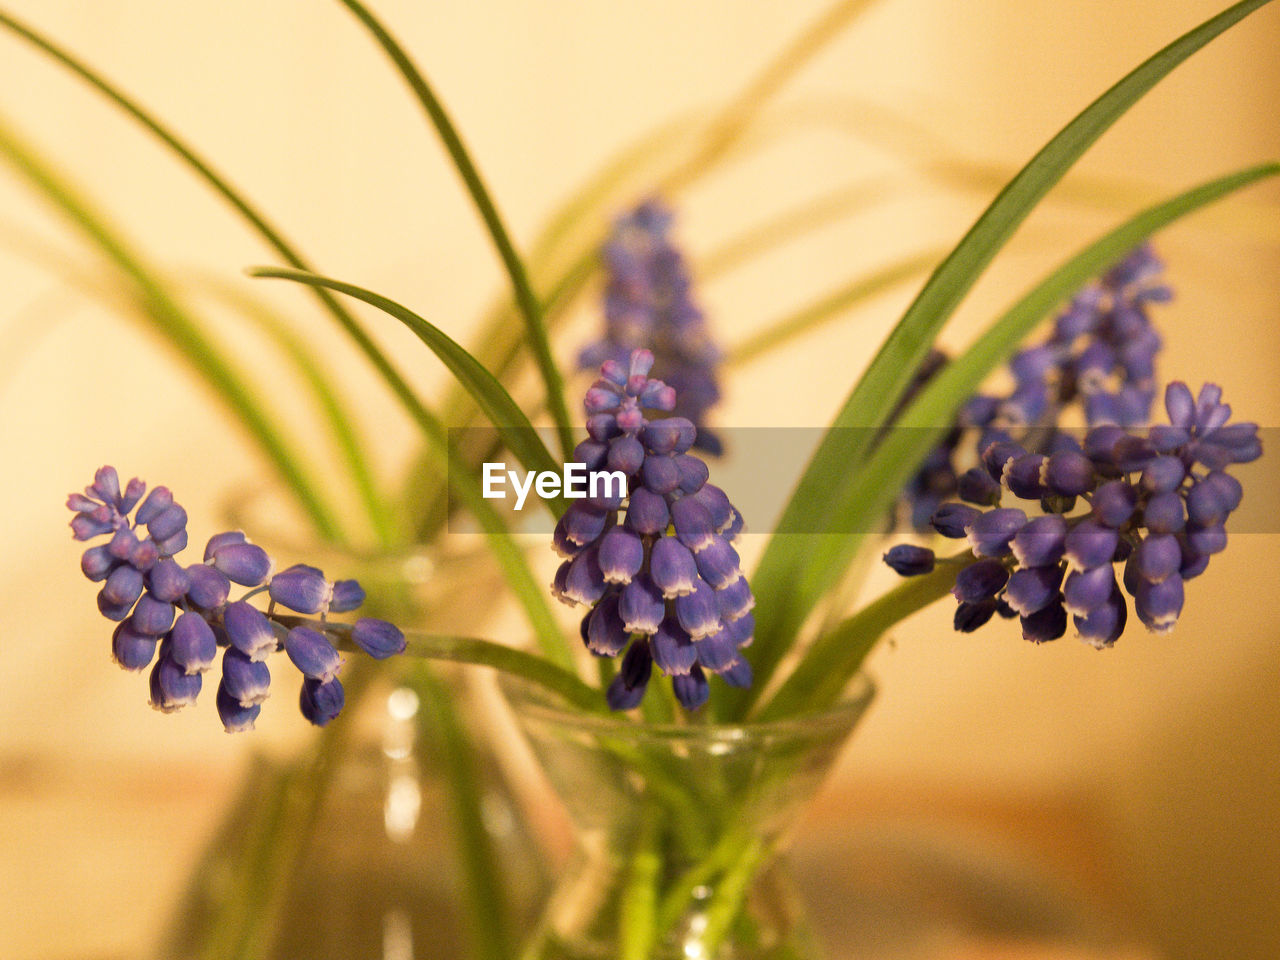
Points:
point(679, 830)
point(395, 832)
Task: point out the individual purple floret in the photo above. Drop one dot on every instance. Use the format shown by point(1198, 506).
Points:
point(321, 700)
point(658, 569)
point(187, 613)
point(245, 681)
point(910, 560)
point(648, 305)
point(312, 653)
point(301, 588)
point(1156, 503)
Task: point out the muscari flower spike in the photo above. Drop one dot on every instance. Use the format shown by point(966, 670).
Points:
point(1156, 501)
point(179, 616)
point(658, 569)
point(648, 304)
point(1100, 355)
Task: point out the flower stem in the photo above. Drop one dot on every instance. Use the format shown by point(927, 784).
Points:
point(678, 894)
point(833, 660)
point(481, 887)
point(481, 653)
point(246, 922)
point(730, 892)
point(638, 910)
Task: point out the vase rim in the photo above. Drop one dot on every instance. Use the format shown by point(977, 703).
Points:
point(529, 699)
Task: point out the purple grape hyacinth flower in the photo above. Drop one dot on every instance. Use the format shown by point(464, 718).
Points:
point(658, 570)
point(1100, 357)
point(1156, 503)
point(648, 304)
point(187, 612)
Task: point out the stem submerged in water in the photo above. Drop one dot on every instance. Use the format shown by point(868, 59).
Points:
point(638, 931)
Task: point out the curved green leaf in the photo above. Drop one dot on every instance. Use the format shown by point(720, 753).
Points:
point(782, 607)
point(515, 567)
point(719, 135)
point(513, 426)
point(819, 679)
point(224, 188)
point(530, 308)
point(330, 404)
point(829, 307)
point(175, 324)
point(531, 594)
point(486, 653)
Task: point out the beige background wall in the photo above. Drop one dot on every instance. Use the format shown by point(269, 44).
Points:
point(1173, 738)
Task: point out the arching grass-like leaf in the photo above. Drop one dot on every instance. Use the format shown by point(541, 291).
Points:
point(568, 254)
point(172, 320)
point(821, 677)
point(333, 408)
point(515, 567)
point(485, 653)
point(223, 187)
point(824, 490)
point(526, 299)
point(829, 307)
point(506, 416)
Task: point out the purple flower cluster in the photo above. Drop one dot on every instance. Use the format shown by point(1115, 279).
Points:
point(1158, 501)
point(648, 304)
point(1100, 354)
point(1102, 351)
point(663, 582)
point(187, 614)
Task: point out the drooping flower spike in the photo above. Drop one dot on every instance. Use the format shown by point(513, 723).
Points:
point(1157, 501)
point(648, 304)
point(180, 616)
point(658, 568)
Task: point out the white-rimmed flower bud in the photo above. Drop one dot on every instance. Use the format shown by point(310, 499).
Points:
point(301, 588)
point(246, 681)
point(321, 700)
point(249, 630)
point(312, 653)
point(192, 642)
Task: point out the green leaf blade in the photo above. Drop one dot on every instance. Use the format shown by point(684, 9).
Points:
point(506, 416)
point(526, 299)
point(238, 201)
point(181, 329)
point(829, 307)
